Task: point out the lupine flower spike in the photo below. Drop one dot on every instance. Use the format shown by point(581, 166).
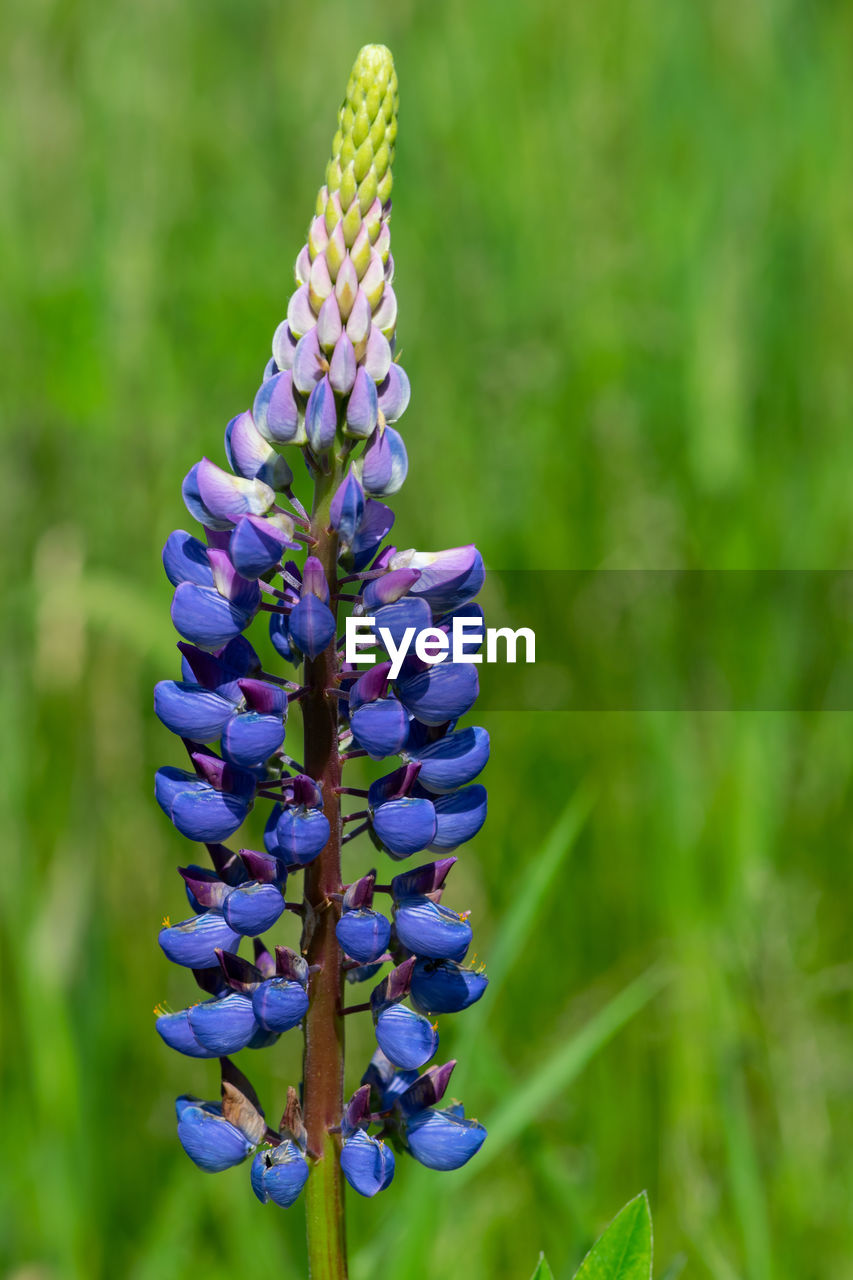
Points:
point(331, 391)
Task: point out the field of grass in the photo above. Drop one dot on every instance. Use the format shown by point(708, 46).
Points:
point(624, 244)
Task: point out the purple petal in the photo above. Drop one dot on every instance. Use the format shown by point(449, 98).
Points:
point(329, 327)
point(276, 413)
point(307, 367)
point(321, 416)
point(347, 510)
point(206, 618)
point(226, 496)
point(377, 357)
point(358, 324)
point(362, 407)
point(185, 560)
point(191, 711)
point(300, 316)
point(342, 369)
point(250, 455)
point(394, 393)
point(257, 544)
point(283, 346)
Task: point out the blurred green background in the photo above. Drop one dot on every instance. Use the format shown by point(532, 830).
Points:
point(625, 273)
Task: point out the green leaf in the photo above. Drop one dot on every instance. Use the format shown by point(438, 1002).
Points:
point(543, 1271)
point(624, 1251)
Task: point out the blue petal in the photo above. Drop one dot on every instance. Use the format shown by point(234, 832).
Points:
point(448, 578)
point(300, 835)
point(250, 455)
point(380, 728)
point(311, 625)
point(362, 406)
point(376, 525)
point(275, 411)
point(442, 986)
point(211, 1141)
point(347, 509)
point(175, 1030)
point(205, 618)
point(192, 500)
point(363, 934)
point(193, 942)
point(458, 817)
point(185, 560)
point(256, 1175)
point(443, 692)
point(252, 908)
point(453, 760)
point(429, 929)
point(404, 826)
point(394, 393)
point(280, 637)
point(367, 1164)
point(225, 1025)
point(249, 739)
point(407, 1039)
point(227, 496)
point(256, 546)
point(202, 813)
point(191, 711)
point(279, 1174)
point(443, 1140)
point(280, 1003)
point(321, 416)
point(396, 618)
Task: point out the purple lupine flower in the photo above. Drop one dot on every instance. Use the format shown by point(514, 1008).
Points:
point(443, 1139)
point(279, 1174)
point(367, 1163)
point(332, 390)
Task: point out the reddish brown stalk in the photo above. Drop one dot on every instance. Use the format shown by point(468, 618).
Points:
point(324, 1027)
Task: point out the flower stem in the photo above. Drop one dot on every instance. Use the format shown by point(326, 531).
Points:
point(323, 1076)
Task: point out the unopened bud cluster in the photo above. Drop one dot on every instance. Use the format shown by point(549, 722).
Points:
point(331, 390)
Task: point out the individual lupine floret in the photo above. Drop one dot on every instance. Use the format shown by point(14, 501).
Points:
point(311, 624)
point(438, 1138)
point(401, 823)
point(444, 986)
point(210, 1141)
point(378, 720)
point(448, 578)
point(438, 693)
point(407, 1038)
point(193, 943)
point(452, 761)
point(219, 1135)
point(443, 1139)
point(367, 1163)
point(224, 1024)
point(459, 815)
point(251, 725)
point(209, 804)
point(280, 1172)
point(430, 929)
point(281, 1001)
point(363, 933)
point(249, 908)
point(211, 614)
point(298, 830)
